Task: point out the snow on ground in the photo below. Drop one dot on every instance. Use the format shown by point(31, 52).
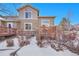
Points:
point(33, 50)
point(11, 49)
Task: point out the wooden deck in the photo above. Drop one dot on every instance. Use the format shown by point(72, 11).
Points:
point(25, 33)
point(12, 31)
point(7, 31)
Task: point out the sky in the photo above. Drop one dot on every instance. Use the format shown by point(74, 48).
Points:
point(59, 10)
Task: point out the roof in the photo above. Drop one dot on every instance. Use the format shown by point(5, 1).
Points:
point(46, 16)
point(10, 16)
point(10, 20)
point(27, 6)
point(1, 18)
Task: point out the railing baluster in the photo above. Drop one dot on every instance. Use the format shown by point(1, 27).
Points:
point(4, 31)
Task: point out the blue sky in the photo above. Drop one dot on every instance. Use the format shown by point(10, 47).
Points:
point(59, 10)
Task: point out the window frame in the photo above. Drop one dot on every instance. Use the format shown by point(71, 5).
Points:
point(28, 16)
point(25, 27)
point(12, 24)
point(42, 22)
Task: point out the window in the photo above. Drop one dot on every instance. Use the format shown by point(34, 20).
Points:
point(28, 14)
point(28, 27)
point(9, 25)
point(45, 22)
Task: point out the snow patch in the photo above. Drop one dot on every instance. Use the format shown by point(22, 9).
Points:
point(32, 49)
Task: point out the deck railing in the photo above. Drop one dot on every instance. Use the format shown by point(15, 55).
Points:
point(45, 33)
point(4, 31)
point(25, 33)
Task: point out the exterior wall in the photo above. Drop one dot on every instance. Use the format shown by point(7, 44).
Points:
point(18, 25)
point(22, 13)
point(23, 20)
point(51, 21)
point(33, 22)
point(20, 20)
point(0, 23)
point(5, 23)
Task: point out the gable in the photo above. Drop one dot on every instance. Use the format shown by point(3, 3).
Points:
point(27, 7)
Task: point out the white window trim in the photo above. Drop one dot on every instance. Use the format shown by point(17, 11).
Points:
point(27, 29)
point(25, 15)
point(12, 24)
point(46, 24)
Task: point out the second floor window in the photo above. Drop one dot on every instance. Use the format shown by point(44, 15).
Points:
point(28, 15)
point(45, 22)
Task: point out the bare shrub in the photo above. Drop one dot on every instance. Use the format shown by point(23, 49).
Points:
point(9, 42)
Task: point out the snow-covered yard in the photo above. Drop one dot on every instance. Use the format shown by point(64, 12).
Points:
point(32, 50)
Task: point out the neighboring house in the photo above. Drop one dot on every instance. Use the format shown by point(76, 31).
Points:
point(28, 19)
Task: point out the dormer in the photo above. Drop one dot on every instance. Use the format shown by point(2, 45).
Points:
point(28, 12)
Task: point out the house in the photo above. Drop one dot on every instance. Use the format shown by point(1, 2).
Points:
point(28, 19)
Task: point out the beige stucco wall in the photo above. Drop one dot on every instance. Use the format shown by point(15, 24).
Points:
point(9, 22)
point(22, 23)
point(35, 23)
point(0, 22)
point(22, 13)
point(23, 20)
point(51, 21)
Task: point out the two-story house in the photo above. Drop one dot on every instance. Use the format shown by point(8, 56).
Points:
point(28, 19)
